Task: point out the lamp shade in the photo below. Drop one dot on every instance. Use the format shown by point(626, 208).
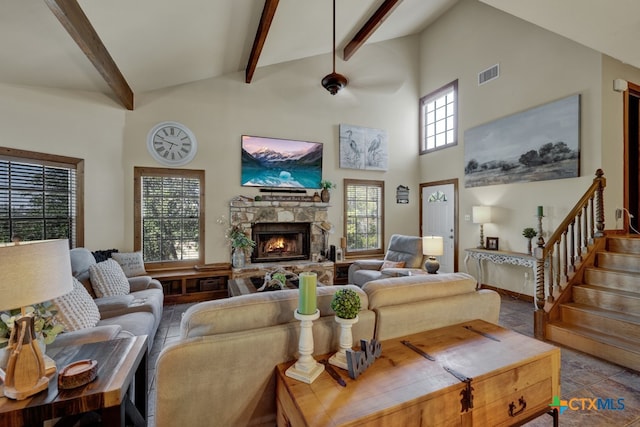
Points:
point(34, 272)
point(432, 245)
point(481, 214)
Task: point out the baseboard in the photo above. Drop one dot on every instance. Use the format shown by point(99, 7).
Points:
point(512, 294)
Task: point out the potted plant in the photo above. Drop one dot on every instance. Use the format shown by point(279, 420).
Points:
point(346, 305)
point(529, 233)
point(240, 242)
point(326, 185)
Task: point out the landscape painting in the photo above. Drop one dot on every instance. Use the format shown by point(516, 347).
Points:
point(363, 148)
point(539, 144)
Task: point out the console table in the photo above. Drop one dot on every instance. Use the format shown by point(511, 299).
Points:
point(481, 374)
point(498, 257)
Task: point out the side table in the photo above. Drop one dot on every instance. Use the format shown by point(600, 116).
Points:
point(118, 393)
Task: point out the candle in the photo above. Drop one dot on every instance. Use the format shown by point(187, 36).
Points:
point(343, 242)
point(307, 298)
point(540, 211)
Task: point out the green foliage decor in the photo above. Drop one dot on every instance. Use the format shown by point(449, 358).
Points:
point(529, 233)
point(235, 235)
point(346, 303)
point(327, 185)
point(45, 323)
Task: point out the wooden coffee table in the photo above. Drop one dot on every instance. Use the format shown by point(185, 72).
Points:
point(511, 379)
point(245, 286)
point(122, 371)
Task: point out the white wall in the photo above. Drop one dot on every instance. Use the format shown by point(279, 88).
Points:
point(77, 124)
point(613, 134)
point(536, 67)
point(287, 101)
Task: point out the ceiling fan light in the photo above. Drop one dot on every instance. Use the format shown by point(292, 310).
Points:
point(334, 82)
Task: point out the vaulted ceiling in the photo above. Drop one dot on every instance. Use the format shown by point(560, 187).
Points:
point(160, 43)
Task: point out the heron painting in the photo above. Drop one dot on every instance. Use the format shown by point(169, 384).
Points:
point(363, 148)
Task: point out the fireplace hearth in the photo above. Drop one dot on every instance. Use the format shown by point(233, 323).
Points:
point(281, 241)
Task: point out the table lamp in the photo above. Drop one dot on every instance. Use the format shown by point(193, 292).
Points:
point(32, 272)
point(481, 215)
point(432, 246)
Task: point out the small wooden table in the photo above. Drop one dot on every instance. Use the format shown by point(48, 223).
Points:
point(122, 371)
point(511, 379)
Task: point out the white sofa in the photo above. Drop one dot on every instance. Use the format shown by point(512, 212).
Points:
point(137, 313)
point(221, 371)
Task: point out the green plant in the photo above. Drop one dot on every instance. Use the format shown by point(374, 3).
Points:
point(280, 277)
point(44, 320)
point(346, 303)
point(529, 233)
point(327, 185)
point(235, 235)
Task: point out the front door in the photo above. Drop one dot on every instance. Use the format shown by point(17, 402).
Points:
point(438, 213)
point(632, 156)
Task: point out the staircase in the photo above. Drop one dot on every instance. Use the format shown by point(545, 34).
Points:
point(602, 317)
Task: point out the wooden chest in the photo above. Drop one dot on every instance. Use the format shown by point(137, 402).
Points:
point(482, 375)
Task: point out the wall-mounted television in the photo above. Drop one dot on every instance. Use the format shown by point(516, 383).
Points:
point(280, 163)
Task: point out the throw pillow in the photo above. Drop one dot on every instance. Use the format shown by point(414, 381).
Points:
point(108, 279)
point(392, 264)
point(77, 310)
point(131, 263)
point(103, 255)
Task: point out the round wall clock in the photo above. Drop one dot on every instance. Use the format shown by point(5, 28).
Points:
point(172, 144)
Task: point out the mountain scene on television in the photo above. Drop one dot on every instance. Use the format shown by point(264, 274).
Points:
point(292, 164)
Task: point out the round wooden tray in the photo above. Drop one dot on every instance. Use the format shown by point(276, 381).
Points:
point(77, 374)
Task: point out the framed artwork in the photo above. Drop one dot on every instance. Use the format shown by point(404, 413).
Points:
point(538, 144)
point(363, 148)
point(492, 243)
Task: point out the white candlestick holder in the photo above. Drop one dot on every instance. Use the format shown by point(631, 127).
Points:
point(306, 369)
point(346, 342)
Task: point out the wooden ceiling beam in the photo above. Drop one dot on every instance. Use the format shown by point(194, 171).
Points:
point(370, 27)
point(73, 19)
point(268, 12)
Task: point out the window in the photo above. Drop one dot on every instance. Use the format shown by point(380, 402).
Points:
point(364, 216)
point(169, 216)
point(439, 118)
point(40, 197)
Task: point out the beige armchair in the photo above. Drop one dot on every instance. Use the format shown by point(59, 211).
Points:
point(407, 249)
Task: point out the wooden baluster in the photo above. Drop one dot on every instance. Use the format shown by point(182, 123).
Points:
point(572, 246)
point(539, 315)
point(592, 223)
point(565, 275)
point(585, 228)
point(551, 276)
point(578, 242)
point(602, 182)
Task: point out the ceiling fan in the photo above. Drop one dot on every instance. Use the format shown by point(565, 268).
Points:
point(333, 82)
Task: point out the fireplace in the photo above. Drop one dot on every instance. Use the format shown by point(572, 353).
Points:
point(281, 241)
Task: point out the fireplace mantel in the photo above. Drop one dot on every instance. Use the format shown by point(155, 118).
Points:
point(245, 212)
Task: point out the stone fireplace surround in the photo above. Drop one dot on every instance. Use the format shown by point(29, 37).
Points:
point(245, 212)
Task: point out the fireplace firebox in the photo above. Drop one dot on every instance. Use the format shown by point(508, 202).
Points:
point(281, 241)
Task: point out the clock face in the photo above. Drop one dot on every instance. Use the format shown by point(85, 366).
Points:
point(172, 144)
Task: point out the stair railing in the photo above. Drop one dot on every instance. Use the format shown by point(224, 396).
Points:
point(558, 258)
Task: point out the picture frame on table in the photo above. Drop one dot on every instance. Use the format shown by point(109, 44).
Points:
point(492, 243)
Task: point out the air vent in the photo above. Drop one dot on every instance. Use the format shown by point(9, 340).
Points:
point(488, 74)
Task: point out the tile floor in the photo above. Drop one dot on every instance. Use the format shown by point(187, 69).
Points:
point(582, 376)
